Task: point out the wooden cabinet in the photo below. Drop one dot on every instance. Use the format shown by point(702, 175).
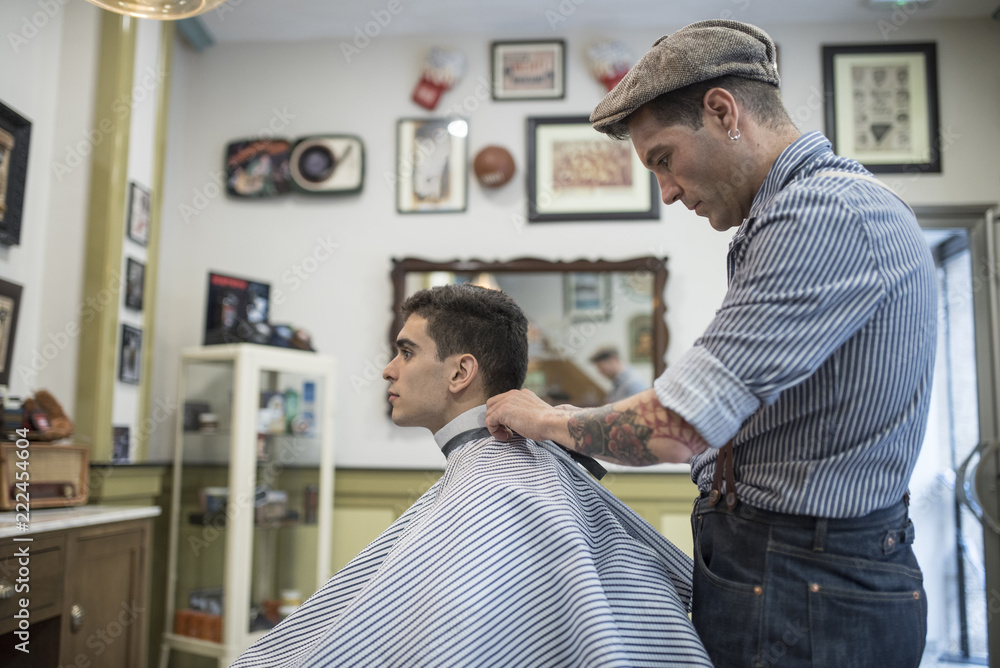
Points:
point(86, 593)
point(104, 609)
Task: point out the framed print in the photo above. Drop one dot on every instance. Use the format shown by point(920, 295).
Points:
point(15, 134)
point(587, 295)
point(138, 213)
point(882, 105)
point(120, 445)
point(10, 302)
point(575, 173)
point(130, 357)
point(432, 165)
point(258, 168)
point(237, 310)
point(529, 70)
point(135, 274)
point(640, 339)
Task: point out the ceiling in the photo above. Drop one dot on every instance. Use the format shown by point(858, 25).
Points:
point(284, 20)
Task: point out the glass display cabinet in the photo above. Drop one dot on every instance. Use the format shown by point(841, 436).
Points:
point(252, 511)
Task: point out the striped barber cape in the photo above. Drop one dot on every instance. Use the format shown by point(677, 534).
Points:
point(515, 557)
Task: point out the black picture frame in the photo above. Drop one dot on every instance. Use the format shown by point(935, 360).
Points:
point(10, 306)
point(432, 165)
point(15, 139)
point(135, 279)
point(618, 187)
point(881, 105)
point(120, 444)
point(138, 213)
point(528, 69)
point(130, 355)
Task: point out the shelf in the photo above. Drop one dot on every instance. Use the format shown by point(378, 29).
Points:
point(215, 650)
point(231, 553)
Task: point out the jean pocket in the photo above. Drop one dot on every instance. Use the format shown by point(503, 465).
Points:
point(865, 628)
point(719, 607)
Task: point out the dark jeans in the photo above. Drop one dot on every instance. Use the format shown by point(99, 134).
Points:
point(786, 590)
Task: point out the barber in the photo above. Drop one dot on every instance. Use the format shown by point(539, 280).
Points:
point(803, 406)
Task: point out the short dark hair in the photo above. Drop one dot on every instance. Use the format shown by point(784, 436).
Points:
point(487, 324)
point(683, 106)
point(604, 353)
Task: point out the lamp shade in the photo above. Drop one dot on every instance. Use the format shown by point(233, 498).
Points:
point(165, 10)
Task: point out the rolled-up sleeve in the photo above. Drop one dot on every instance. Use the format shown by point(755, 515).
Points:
point(804, 280)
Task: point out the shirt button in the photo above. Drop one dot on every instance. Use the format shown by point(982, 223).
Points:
point(814, 587)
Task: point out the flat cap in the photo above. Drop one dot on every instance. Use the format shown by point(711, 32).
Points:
point(698, 52)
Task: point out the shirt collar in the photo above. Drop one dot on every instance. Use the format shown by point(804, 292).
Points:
point(474, 418)
point(789, 161)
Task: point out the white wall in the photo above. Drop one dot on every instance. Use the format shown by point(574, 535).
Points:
point(46, 74)
point(293, 89)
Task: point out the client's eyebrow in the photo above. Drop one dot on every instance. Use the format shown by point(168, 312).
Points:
point(407, 343)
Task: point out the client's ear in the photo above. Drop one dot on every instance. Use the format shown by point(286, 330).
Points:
point(464, 371)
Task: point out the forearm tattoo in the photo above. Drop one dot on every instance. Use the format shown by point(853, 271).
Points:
point(625, 436)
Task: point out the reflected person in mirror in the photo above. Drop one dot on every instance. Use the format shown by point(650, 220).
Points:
point(515, 557)
point(625, 382)
point(803, 405)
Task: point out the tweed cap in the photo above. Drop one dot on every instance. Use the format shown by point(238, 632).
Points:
point(698, 52)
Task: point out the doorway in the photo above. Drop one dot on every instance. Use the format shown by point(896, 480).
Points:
point(958, 555)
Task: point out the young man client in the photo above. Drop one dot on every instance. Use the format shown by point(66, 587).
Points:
point(515, 557)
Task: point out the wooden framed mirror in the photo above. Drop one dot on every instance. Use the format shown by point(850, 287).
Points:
point(574, 308)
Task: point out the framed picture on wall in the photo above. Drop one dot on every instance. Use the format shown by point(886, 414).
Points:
point(432, 171)
point(10, 304)
point(575, 173)
point(640, 339)
point(135, 273)
point(138, 213)
point(258, 167)
point(882, 105)
point(587, 295)
point(130, 356)
point(15, 134)
point(120, 446)
point(529, 70)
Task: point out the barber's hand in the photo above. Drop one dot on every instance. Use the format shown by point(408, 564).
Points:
point(521, 412)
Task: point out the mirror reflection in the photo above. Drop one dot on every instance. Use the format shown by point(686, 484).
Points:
point(592, 325)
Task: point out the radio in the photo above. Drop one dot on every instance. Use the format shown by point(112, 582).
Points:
point(57, 475)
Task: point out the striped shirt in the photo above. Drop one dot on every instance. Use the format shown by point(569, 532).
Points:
point(819, 363)
point(515, 557)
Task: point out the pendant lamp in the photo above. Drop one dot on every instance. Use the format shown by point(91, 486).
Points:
point(165, 10)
